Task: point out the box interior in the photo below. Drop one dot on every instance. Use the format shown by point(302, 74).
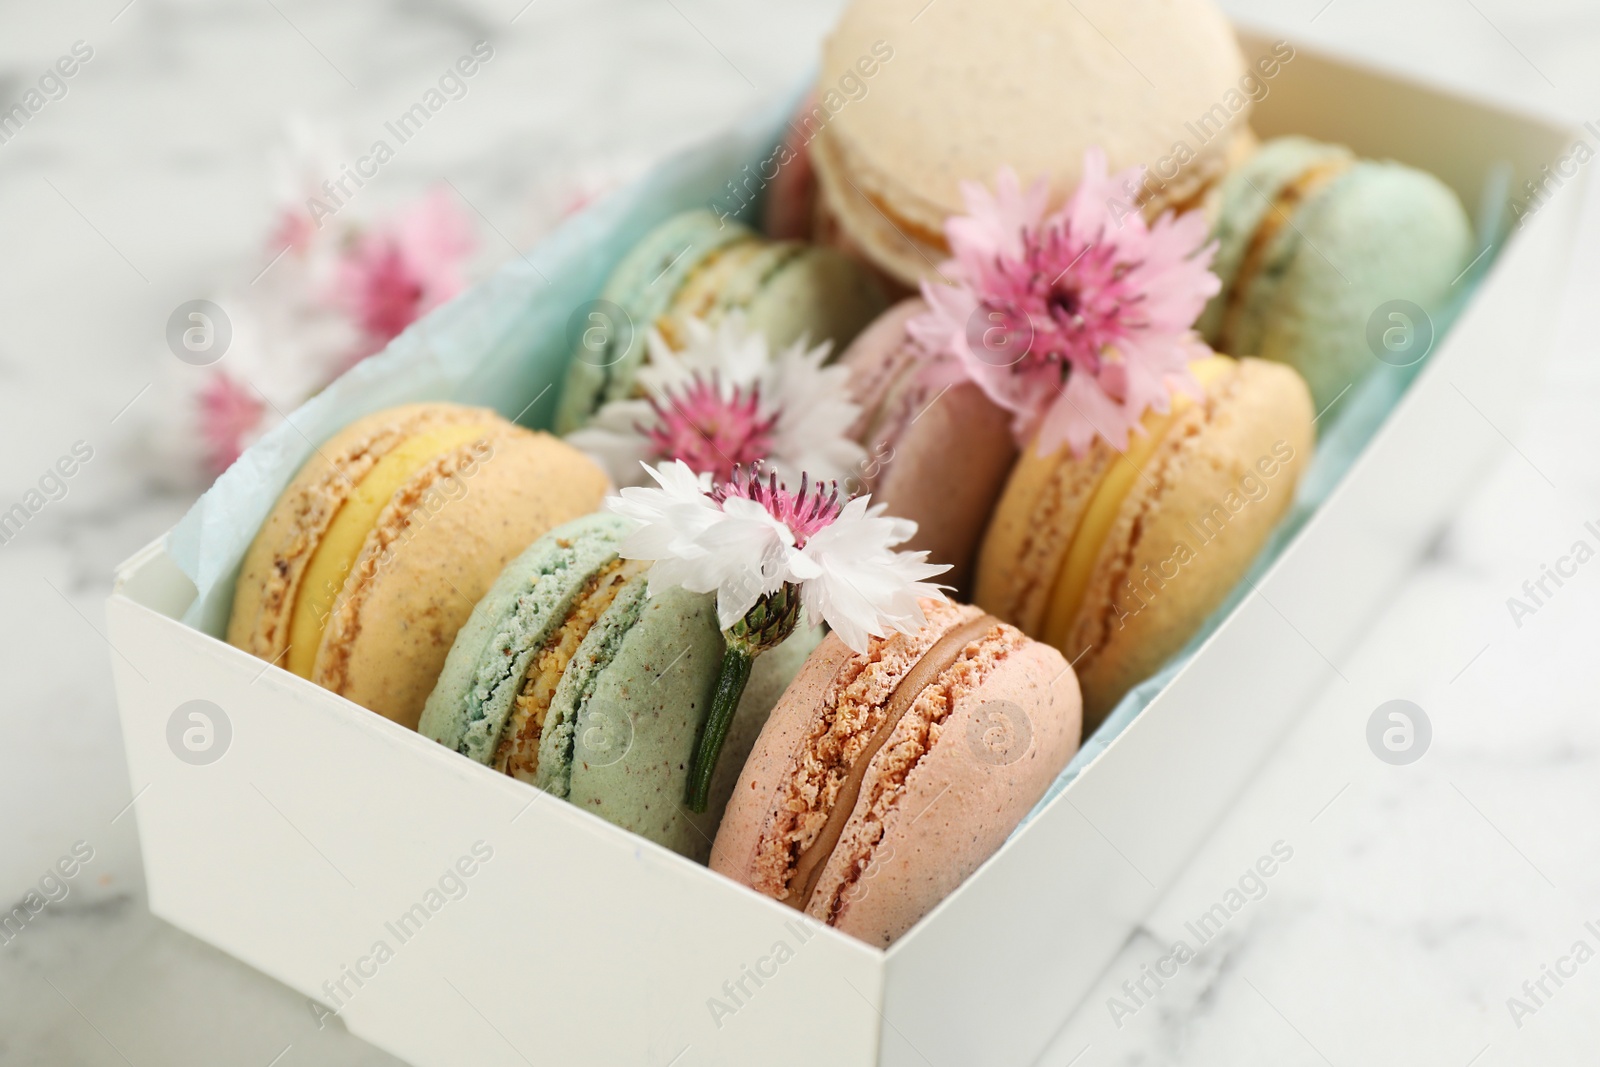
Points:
point(505, 344)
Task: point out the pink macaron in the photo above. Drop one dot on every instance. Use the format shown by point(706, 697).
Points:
point(882, 780)
point(937, 453)
point(792, 193)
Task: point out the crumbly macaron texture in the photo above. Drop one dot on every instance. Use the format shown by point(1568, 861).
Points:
point(643, 285)
point(936, 800)
point(889, 164)
point(1198, 495)
point(937, 456)
point(528, 601)
point(432, 557)
point(621, 730)
point(269, 579)
point(518, 752)
point(951, 785)
point(824, 723)
point(1031, 531)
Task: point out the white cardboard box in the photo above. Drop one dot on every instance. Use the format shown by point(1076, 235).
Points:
point(579, 943)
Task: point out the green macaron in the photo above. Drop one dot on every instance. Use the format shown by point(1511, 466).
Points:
point(642, 285)
point(570, 676)
point(531, 600)
point(1314, 242)
point(697, 265)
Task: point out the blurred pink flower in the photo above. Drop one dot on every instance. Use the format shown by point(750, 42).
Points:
point(1079, 321)
point(230, 418)
point(391, 275)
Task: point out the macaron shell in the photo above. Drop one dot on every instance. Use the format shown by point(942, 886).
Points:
point(269, 577)
point(1031, 530)
point(528, 601)
point(621, 731)
point(424, 569)
point(643, 285)
point(1006, 736)
point(1245, 200)
point(1017, 97)
point(750, 811)
point(770, 678)
point(1259, 418)
point(791, 194)
point(819, 295)
point(1379, 233)
point(937, 455)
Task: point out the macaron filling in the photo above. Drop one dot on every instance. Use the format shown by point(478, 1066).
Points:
point(344, 539)
point(1304, 187)
point(732, 278)
point(1083, 548)
point(812, 860)
point(518, 751)
point(697, 297)
point(558, 741)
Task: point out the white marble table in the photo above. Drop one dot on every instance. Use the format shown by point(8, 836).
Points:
point(1418, 898)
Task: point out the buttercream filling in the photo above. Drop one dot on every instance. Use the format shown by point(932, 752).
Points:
point(700, 291)
point(518, 751)
point(341, 544)
point(1304, 187)
point(813, 860)
point(1076, 568)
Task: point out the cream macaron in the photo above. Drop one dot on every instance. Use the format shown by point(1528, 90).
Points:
point(960, 90)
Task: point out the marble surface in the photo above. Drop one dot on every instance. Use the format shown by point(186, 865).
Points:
point(1417, 899)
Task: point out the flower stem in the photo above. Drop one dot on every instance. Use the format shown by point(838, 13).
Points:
point(736, 662)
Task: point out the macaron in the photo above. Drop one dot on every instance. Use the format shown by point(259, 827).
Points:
point(791, 195)
point(1035, 85)
point(1313, 242)
point(699, 265)
point(883, 780)
point(1117, 558)
point(938, 449)
point(569, 677)
point(377, 551)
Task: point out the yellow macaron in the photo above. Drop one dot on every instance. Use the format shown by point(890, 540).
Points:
point(1117, 558)
point(375, 554)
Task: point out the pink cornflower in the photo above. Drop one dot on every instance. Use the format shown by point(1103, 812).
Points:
point(708, 427)
point(1078, 321)
point(230, 418)
point(392, 275)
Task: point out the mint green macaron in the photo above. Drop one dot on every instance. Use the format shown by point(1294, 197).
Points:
point(642, 285)
point(531, 599)
point(1313, 241)
point(570, 677)
point(697, 265)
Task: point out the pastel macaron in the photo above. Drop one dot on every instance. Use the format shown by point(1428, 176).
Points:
point(957, 91)
point(698, 265)
point(570, 677)
point(790, 198)
point(882, 780)
point(938, 450)
point(1314, 242)
point(377, 550)
point(1117, 558)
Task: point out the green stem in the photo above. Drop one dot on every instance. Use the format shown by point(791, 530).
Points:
point(736, 662)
